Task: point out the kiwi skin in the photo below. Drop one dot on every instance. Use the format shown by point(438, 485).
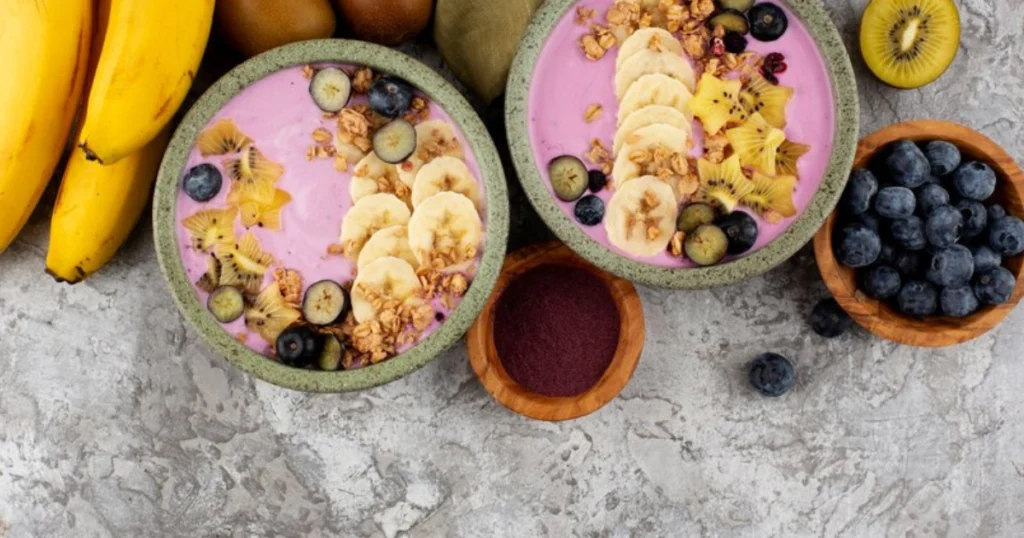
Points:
point(878, 31)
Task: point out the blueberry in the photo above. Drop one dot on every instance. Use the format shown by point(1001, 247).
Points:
point(390, 96)
point(909, 264)
point(909, 233)
point(881, 282)
point(918, 299)
point(886, 256)
point(958, 302)
point(951, 267)
point(943, 156)
point(596, 181)
point(1006, 236)
point(995, 212)
point(767, 22)
point(741, 229)
point(975, 217)
point(944, 226)
point(828, 319)
point(869, 219)
point(974, 180)
point(299, 346)
point(895, 202)
point(985, 259)
point(995, 286)
point(589, 210)
point(860, 190)
point(907, 164)
point(930, 196)
point(857, 245)
point(202, 182)
point(735, 43)
point(771, 374)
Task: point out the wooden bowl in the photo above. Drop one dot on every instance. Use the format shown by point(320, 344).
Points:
point(878, 317)
point(491, 373)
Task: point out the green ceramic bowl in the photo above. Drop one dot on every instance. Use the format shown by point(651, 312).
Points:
point(351, 52)
point(837, 63)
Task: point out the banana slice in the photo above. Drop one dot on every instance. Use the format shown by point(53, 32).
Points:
point(368, 215)
point(648, 61)
point(445, 230)
point(655, 89)
point(641, 217)
point(650, 115)
point(386, 278)
point(392, 241)
point(434, 138)
point(656, 136)
point(445, 174)
point(372, 175)
point(644, 39)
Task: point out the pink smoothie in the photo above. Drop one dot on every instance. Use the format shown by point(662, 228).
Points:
point(565, 82)
point(279, 115)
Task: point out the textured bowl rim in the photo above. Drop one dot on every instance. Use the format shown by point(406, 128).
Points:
point(847, 111)
point(340, 51)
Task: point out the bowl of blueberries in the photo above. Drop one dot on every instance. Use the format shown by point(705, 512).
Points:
point(925, 246)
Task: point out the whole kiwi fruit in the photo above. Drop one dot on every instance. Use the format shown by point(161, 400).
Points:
point(387, 22)
point(255, 26)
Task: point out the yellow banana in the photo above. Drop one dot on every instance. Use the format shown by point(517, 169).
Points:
point(44, 51)
point(150, 55)
point(97, 207)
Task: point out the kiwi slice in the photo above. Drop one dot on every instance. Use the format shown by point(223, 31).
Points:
point(731, 20)
point(569, 177)
point(330, 88)
point(910, 43)
point(226, 304)
point(324, 303)
point(707, 245)
point(395, 142)
point(333, 351)
point(694, 216)
point(738, 5)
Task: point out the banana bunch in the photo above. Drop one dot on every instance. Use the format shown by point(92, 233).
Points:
point(111, 64)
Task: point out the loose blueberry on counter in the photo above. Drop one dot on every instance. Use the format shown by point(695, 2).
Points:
point(985, 259)
point(930, 196)
point(828, 319)
point(909, 264)
point(741, 229)
point(589, 211)
point(895, 202)
point(909, 233)
point(860, 191)
point(1006, 236)
point(944, 226)
point(995, 286)
point(907, 165)
point(974, 180)
point(918, 299)
point(390, 96)
point(596, 181)
point(943, 156)
point(857, 246)
point(771, 374)
point(951, 267)
point(958, 302)
point(202, 182)
point(881, 282)
point(299, 346)
point(767, 22)
point(995, 212)
point(975, 217)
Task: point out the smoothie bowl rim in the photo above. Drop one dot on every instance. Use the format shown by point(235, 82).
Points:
point(800, 231)
point(338, 51)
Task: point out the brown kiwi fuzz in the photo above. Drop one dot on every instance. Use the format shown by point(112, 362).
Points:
point(909, 43)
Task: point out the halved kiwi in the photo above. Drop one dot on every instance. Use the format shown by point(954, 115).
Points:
point(731, 20)
point(569, 177)
point(909, 43)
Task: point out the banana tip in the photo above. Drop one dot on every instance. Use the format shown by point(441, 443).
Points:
point(90, 155)
point(80, 275)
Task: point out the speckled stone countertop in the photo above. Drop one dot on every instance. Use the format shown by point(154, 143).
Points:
point(116, 421)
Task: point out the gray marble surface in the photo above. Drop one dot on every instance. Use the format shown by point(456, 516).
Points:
point(116, 421)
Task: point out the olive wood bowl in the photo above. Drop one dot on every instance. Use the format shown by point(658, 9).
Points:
point(877, 316)
point(488, 367)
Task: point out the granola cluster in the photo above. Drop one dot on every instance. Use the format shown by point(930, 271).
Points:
point(600, 156)
point(445, 287)
point(671, 167)
point(289, 281)
point(397, 324)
